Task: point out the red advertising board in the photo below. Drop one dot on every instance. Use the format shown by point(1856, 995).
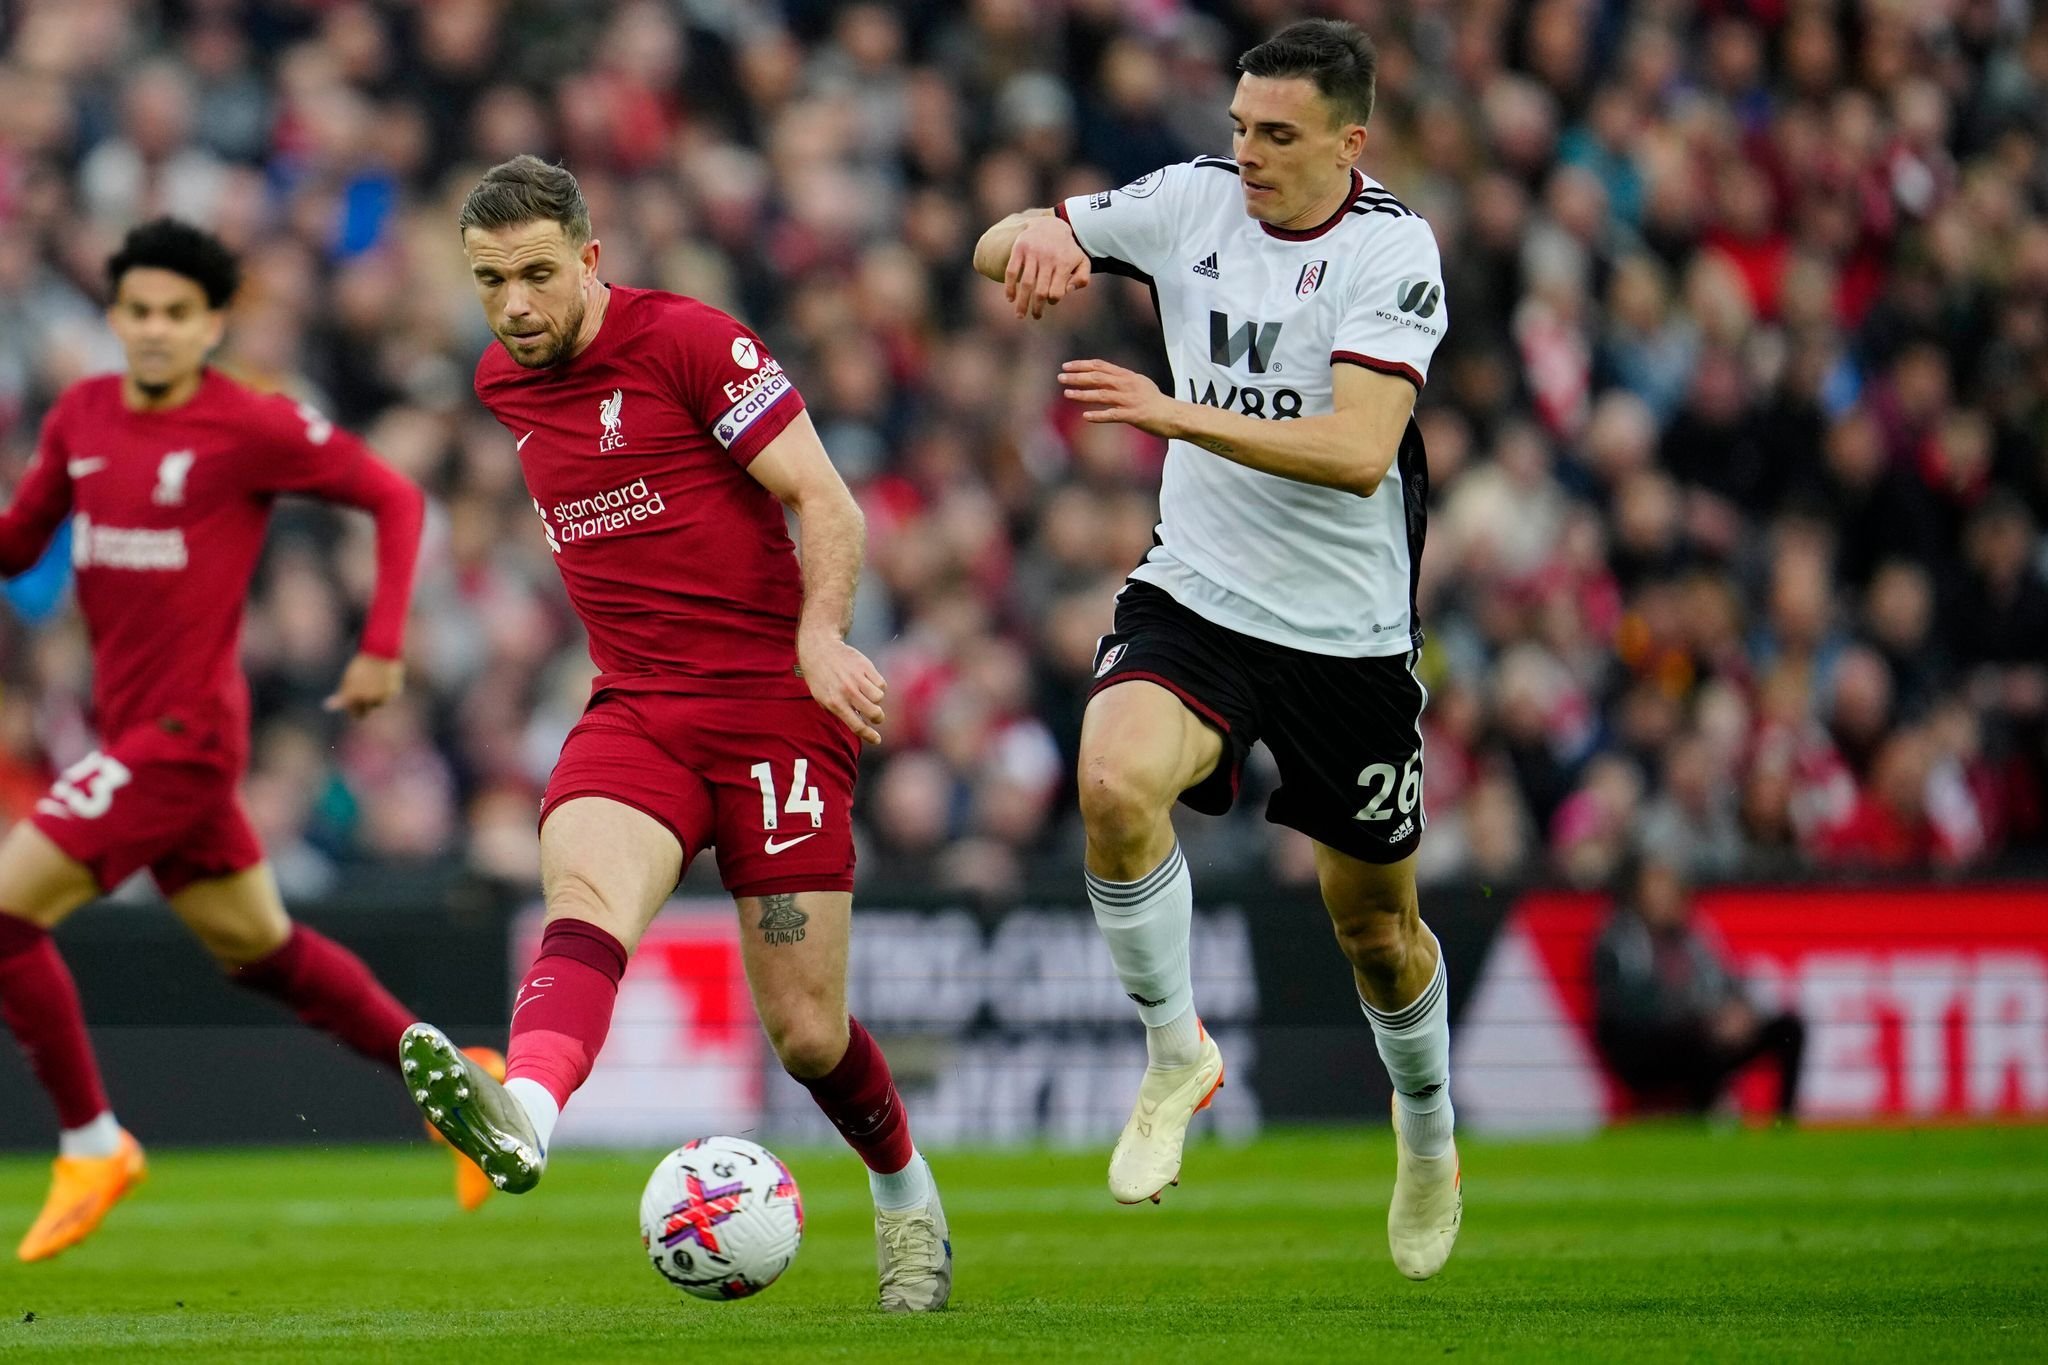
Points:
point(1920, 1002)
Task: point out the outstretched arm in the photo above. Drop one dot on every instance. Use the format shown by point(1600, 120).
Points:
point(1351, 448)
point(795, 468)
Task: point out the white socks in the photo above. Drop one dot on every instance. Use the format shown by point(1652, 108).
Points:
point(1174, 1045)
point(101, 1137)
point(539, 1105)
point(1415, 1043)
point(906, 1189)
point(1146, 924)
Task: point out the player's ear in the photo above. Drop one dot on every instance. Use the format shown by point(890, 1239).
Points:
point(588, 254)
point(216, 327)
point(1354, 142)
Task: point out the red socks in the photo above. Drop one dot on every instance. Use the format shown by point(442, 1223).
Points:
point(330, 989)
point(39, 1001)
point(564, 1007)
point(860, 1098)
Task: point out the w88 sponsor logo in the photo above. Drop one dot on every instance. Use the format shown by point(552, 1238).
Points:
point(1273, 404)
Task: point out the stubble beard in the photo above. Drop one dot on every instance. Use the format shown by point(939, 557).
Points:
point(558, 351)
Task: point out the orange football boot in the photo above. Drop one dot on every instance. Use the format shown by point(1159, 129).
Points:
point(82, 1191)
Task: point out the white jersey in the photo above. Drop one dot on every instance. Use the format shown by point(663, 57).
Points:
point(1255, 318)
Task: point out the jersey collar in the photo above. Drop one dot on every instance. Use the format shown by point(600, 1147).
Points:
point(1310, 234)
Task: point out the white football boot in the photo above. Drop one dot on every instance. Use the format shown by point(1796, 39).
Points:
point(1428, 1207)
point(1147, 1156)
point(468, 1106)
point(914, 1253)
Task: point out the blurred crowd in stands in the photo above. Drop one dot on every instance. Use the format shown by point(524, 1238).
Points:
point(1738, 441)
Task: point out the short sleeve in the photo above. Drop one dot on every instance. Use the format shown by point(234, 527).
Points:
point(1131, 231)
point(730, 383)
point(1395, 314)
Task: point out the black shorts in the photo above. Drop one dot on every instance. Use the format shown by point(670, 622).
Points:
point(1346, 733)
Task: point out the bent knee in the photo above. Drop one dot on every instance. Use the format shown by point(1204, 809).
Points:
point(233, 947)
point(810, 1046)
point(572, 895)
point(1120, 797)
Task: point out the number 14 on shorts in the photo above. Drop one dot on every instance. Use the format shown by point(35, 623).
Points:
point(803, 799)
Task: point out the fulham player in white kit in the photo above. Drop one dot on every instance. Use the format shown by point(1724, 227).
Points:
point(1301, 303)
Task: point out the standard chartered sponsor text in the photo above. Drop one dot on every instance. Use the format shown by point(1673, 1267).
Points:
point(120, 547)
point(602, 513)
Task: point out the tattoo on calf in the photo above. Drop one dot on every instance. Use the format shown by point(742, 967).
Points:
point(781, 921)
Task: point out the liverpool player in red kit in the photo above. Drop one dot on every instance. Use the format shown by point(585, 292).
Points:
point(168, 473)
point(661, 443)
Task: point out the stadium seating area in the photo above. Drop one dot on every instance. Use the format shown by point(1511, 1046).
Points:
point(1739, 440)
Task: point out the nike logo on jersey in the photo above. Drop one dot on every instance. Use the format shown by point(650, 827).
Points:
point(1207, 266)
point(520, 444)
point(774, 845)
point(78, 469)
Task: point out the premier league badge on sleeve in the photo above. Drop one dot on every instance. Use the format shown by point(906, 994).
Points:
point(1144, 184)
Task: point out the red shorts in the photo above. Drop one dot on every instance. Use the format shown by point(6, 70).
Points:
point(155, 797)
point(769, 782)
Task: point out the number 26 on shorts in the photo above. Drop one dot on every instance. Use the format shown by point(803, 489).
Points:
point(86, 788)
point(1379, 783)
point(803, 800)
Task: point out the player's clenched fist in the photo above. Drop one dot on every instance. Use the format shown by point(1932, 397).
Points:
point(1046, 264)
point(843, 681)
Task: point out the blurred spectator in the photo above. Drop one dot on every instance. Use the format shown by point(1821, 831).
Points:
point(1671, 1018)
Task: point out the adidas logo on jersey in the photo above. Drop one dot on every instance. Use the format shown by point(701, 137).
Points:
point(1207, 266)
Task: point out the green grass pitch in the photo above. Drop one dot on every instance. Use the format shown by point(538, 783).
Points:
point(1651, 1244)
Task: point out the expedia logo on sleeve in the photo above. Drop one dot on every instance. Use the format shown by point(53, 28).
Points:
point(750, 397)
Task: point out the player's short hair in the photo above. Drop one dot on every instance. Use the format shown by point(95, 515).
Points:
point(168, 244)
point(1334, 54)
point(527, 190)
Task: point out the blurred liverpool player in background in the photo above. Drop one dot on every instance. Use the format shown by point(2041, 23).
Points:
point(661, 443)
point(168, 473)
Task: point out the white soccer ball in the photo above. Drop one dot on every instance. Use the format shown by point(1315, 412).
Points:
point(721, 1218)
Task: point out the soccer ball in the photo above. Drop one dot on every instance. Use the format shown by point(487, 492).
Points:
point(721, 1218)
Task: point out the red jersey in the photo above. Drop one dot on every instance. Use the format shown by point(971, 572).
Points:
point(169, 511)
point(636, 454)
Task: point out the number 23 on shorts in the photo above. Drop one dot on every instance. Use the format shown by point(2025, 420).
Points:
point(86, 788)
